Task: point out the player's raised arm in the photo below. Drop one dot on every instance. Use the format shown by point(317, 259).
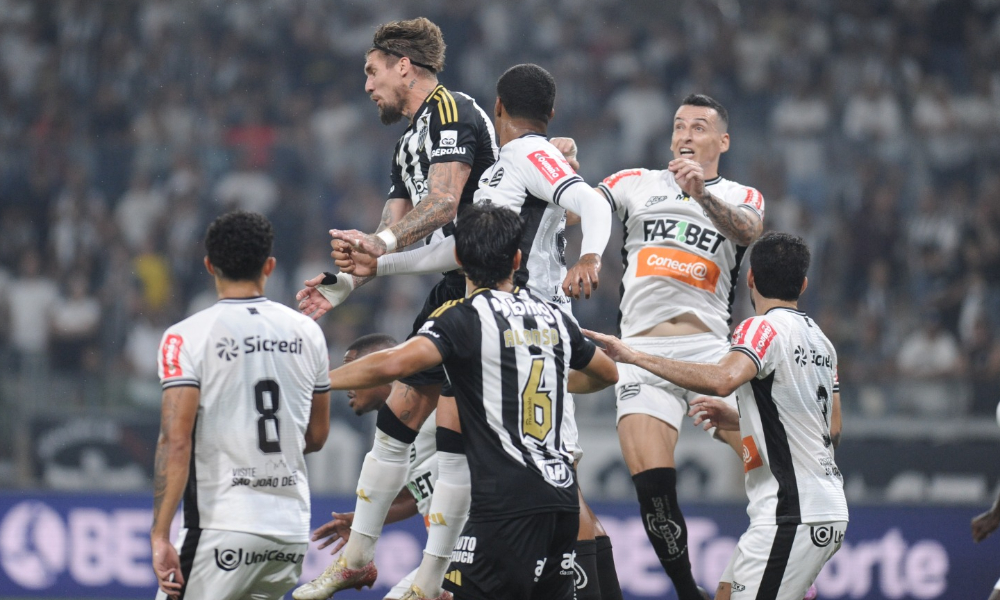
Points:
point(595, 222)
point(378, 368)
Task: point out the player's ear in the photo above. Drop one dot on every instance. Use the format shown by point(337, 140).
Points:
point(805, 284)
point(209, 267)
point(517, 261)
point(552, 114)
point(724, 144)
point(269, 265)
point(498, 108)
point(750, 278)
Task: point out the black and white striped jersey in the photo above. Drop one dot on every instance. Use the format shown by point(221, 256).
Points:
point(448, 126)
point(508, 357)
point(785, 412)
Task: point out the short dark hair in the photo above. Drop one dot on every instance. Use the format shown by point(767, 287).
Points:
point(238, 244)
point(708, 102)
point(487, 237)
point(419, 40)
point(779, 262)
point(527, 91)
point(373, 342)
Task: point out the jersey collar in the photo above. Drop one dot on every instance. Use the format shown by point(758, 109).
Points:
point(713, 180)
point(791, 310)
point(242, 300)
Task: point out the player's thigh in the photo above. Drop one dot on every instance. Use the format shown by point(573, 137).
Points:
point(781, 561)
point(237, 565)
point(588, 520)
point(557, 581)
point(647, 442)
point(447, 414)
point(412, 404)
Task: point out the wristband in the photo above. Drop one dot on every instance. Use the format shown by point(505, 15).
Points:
point(389, 239)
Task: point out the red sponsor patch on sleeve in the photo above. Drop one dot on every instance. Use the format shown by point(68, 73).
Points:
point(754, 199)
point(549, 166)
point(740, 335)
point(751, 456)
point(611, 180)
point(171, 352)
point(762, 338)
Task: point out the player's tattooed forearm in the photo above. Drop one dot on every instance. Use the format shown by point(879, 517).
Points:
point(386, 217)
point(359, 281)
point(438, 208)
point(733, 222)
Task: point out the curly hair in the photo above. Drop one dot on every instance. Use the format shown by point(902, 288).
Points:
point(419, 40)
point(238, 244)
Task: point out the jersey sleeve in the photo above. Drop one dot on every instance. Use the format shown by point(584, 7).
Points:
point(453, 135)
point(748, 198)
point(616, 189)
point(397, 188)
point(322, 358)
point(582, 349)
point(176, 366)
point(755, 337)
point(547, 174)
point(444, 328)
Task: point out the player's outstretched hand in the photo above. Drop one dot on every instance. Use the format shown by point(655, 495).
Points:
point(359, 264)
point(712, 412)
point(985, 524)
point(360, 241)
point(323, 292)
point(167, 566)
point(690, 176)
point(336, 531)
point(583, 277)
point(568, 148)
point(616, 349)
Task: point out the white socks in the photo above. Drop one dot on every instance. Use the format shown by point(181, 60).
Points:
point(448, 513)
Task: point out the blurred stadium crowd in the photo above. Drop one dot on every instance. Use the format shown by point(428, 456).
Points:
point(870, 126)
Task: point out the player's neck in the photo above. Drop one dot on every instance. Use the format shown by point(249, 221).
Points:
point(418, 91)
point(238, 289)
point(507, 285)
point(762, 305)
point(711, 170)
point(512, 129)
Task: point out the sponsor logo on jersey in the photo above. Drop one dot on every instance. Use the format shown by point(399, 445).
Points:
point(754, 199)
point(520, 306)
point(540, 567)
point(751, 456)
point(805, 357)
point(580, 578)
point(567, 566)
point(421, 488)
point(660, 524)
point(628, 391)
point(762, 339)
point(548, 166)
point(447, 151)
point(428, 329)
point(229, 560)
point(454, 577)
point(449, 138)
point(171, 356)
point(739, 587)
point(226, 348)
point(497, 176)
point(465, 550)
point(684, 232)
point(612, 180)
point(823, 535)
point(800, 356)
point(255, 343)
point(656, 200)
point(683, 266)
point(740, 334)
point(556, 472)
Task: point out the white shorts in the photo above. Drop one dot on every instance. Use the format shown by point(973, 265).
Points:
point(641, 392)
point(237, 565)
point(572, 433)
point(782, 560)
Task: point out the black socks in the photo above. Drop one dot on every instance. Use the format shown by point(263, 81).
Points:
point(665, 527)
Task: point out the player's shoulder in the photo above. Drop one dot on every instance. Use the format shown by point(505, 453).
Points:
point(758, 329)
point(198, 324)
point(735, 192)
point(627, 177)
point(450, 108)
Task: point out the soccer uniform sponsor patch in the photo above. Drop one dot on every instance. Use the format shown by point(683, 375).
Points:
point(751, 456)
point(680, 265)
point(171, 352)
point(547, 165)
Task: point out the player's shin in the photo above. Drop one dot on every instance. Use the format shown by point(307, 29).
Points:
point(607, 574)
point(665, 527)
point(382, 476)
point(448, 513)
point(587, 579)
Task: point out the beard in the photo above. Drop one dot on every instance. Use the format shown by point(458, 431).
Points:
point(391, 113)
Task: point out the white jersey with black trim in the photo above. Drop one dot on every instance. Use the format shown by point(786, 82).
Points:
point(257, 364)
point(529, 177)
point(790, 473)
point(676, 261)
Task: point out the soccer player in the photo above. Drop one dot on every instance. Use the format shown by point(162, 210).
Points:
point(511, 358)
point(246, 392)
point(783, 370)
point(415, 497)
point(686, 229)
point(532, 178)
point(435, 169)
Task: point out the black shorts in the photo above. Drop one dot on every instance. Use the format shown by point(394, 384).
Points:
point(520, 558)
point(452, 287)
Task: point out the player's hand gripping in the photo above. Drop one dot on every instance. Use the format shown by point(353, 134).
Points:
point(568, 148)
point(323, 292)
point(583, 277)
point(351, 258)
point(360, 241)
point(690, 176)
point(336, 532)
point(712, 412)
point(985, 524)
point(616, 349)
point(167, 566)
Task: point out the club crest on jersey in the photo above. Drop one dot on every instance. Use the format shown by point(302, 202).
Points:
point(423, 124)
point(556, 472)
point(495, 180)
point(226, 348)
point(228, 560)
point(656, 200)
point(823, 535)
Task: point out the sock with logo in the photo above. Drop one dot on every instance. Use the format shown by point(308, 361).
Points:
point(665, 527)
point(607, 574)
point(586, 580)
point(448, 513)
point(383, 474)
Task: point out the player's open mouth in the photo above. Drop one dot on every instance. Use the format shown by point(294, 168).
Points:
point(686, 152)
